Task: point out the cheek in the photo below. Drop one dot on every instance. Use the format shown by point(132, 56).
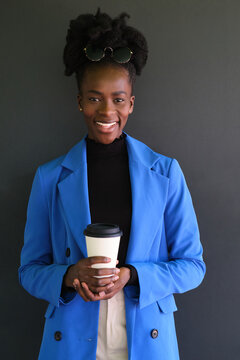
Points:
point(88, 111)
point(125, 116)
point(125, 112)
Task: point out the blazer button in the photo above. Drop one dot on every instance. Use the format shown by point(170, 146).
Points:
point(154, 333)
point(68, 252)
point(58, 335)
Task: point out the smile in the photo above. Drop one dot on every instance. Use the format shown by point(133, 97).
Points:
point(106, 125)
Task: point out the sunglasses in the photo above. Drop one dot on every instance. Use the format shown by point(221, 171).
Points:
point(121, 55)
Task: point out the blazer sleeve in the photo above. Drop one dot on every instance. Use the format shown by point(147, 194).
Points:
point(37, 273)
point(185, 267)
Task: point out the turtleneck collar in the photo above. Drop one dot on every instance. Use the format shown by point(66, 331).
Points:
point(99, 150)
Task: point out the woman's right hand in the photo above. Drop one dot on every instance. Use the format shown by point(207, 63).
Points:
point(82, 271)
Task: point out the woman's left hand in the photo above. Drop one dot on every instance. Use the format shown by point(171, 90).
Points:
point(124, 276)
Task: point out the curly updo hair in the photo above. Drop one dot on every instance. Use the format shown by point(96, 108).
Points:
point(102, 31)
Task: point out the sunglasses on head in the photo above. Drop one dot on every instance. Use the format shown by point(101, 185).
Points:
point(121, 55)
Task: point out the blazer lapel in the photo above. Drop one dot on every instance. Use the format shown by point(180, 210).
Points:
point(73, 192)
point(149, 194)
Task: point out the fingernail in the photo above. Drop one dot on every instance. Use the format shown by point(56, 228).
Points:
point(115, 278)
point(75, 284)
point(101, 293)
point(117, 271)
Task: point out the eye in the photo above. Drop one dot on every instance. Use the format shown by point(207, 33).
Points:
point(94, 99)
point(118, 100)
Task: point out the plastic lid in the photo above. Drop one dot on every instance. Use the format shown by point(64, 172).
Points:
point(102, 230)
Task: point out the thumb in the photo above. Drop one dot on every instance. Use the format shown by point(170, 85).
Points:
point(76, 284)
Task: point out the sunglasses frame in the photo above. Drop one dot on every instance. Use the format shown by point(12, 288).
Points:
point(112, 54)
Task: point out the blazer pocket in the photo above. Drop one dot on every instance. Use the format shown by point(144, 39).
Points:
point(167, 304)
point(49, 312)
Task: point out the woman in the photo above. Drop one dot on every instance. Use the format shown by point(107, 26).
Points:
point(109, 177)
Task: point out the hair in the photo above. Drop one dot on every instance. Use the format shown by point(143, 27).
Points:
point(102, 31)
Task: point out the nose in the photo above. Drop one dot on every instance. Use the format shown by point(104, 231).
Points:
point(106, 108)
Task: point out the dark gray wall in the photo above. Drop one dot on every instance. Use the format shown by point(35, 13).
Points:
point(187, 107)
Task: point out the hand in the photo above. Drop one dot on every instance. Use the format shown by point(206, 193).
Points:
point(106, 292)
point(82, 272)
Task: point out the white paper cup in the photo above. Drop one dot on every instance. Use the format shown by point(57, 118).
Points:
point(103, 240)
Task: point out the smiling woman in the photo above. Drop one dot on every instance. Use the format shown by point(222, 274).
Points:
point(106, 101)
point(125, 312)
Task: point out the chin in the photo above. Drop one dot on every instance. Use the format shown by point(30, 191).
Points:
point(107, 138)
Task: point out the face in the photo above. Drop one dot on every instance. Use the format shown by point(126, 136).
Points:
point(106, 102)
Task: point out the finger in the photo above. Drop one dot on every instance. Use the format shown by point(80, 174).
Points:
point(113, 289)
point(104, 289)
point(82, 294)
point(103, 272)
point(102, 281)
point(90, 295)
point(96, 288)
point(88, 292)
point(95, 285)
point(78, 288)
point(97, 259)
point(76, 284)
point(95, 281)
point(109, 294)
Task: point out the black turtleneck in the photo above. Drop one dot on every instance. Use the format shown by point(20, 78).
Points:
point(109, 187)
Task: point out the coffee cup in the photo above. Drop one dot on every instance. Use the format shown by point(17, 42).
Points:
point(103, 239)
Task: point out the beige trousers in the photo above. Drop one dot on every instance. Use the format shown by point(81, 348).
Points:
point(112, 335)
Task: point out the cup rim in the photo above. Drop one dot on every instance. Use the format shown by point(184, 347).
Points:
point(102, 230)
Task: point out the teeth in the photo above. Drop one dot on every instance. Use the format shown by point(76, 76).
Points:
point(106, 125)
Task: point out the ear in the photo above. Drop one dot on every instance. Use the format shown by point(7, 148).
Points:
point(132, 99)
point(79, 99)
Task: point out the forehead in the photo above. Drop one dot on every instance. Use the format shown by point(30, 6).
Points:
point(106, 79)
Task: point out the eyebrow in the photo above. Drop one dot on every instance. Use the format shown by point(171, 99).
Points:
point(114, 93)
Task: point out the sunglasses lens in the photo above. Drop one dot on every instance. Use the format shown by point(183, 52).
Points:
point(122, 55)
point(94, 54)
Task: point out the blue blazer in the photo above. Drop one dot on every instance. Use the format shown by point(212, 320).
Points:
point(164, 247)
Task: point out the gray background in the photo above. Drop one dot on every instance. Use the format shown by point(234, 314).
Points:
point(187, 107)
